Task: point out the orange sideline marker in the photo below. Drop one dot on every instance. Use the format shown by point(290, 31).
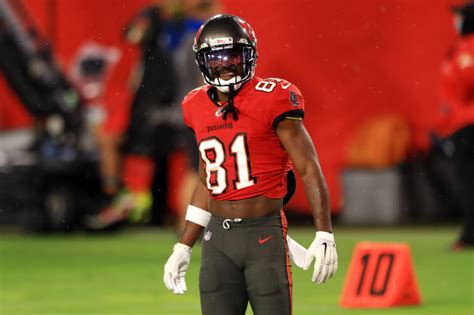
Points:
point(381, 275)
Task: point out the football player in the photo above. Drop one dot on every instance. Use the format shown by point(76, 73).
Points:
point(457, 125)
point(247, 130)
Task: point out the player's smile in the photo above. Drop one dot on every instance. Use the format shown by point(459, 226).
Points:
point(226, 74)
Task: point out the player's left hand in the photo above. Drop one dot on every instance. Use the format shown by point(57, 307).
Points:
point(176, 267)
point(323, 250)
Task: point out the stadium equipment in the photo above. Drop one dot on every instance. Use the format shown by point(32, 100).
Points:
point(381, 275)
point(28, 64)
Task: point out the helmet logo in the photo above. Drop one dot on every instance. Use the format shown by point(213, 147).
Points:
point(221, 41)
point(248, 29)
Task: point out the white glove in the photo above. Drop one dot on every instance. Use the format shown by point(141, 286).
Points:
point(323, 250)
point(176, 267)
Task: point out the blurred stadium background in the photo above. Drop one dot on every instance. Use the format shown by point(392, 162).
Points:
point(370, 74)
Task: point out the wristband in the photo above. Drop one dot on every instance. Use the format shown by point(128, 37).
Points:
point(198, 216)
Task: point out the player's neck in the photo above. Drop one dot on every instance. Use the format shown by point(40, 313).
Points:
point(221, 97)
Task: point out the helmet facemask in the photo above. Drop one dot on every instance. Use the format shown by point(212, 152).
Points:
point(219, 63)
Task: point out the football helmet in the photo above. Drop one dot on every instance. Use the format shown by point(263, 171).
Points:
point(226, 51)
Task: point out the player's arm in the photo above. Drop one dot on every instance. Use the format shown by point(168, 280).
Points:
point(197, 218)
point(297, 142)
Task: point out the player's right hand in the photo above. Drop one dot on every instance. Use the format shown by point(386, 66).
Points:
point(176, 267)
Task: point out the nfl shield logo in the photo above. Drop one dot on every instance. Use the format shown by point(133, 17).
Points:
point(207, 235)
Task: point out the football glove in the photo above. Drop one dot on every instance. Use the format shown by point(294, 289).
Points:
point(176, 267)
point(323, 250)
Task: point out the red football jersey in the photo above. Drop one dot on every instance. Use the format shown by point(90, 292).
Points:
point(244, 158)
point(458, 87)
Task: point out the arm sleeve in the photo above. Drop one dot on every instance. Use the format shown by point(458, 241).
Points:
point(289, 104)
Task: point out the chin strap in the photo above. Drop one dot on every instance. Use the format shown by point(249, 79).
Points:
point(230, 108)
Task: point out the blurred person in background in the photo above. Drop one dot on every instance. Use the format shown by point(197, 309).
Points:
point(186, 18)
point(247, 129)
point(457, 125)
point(90, 73)
point(164, 33)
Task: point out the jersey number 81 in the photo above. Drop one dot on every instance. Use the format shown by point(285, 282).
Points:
point(213, 153)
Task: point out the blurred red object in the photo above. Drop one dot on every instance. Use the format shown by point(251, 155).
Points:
point(382, 141)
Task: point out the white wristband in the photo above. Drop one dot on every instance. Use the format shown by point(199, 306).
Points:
point(198, 215)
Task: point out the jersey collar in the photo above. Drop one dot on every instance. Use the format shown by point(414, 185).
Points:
point(211, 92)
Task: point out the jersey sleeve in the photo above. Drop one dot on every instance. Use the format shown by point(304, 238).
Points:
point(458, 78)
point(187, 107)
point(186, 118)
point(288, 104)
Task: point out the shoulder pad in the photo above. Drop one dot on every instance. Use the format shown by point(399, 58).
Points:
point(191, 94)
point(277, 87)
point(280, 82)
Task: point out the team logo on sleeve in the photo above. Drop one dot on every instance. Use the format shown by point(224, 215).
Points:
point(294, 99)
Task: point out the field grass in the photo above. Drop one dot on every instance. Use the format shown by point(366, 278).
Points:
point(121, 273)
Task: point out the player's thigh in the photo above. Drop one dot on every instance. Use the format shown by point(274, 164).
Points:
point(268, 275)
point(221, 284)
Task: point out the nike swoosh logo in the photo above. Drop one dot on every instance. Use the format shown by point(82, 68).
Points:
point(285, 86)
point(264, 240)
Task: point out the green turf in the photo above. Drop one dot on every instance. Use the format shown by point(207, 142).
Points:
point(122, 274)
